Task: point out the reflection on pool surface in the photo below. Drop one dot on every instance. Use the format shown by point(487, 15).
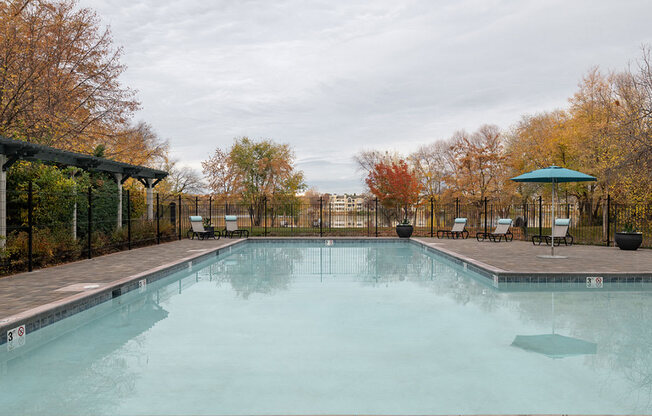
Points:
point(304, 328)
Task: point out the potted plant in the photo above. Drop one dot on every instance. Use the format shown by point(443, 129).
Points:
point(396, 187)
point(629, 238)
point(404, 229)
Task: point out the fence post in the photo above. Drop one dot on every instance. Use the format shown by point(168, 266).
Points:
point(608, 219)
point(368, 218)
point(376, 217)
point(158, 216)
point(432, 217)
point(179, 216)
point(457, 207)
point(291, 218)
point(251, 219)
point(128, 220)
point(90, 221)
point(485, 215)
point(210, 209)
point(321, 211)
point(196, 205)
point(540, 216)
point(526, 216)
point(30, 226)
point(265, 215)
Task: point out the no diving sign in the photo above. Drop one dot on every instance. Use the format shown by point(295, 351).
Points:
point(594, 282)
point(16, 337)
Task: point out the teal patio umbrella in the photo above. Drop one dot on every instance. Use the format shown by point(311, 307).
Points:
point(554, 175)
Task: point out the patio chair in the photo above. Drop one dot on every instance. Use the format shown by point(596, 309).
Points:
point(458, 230)
point(559, 234)
point(502, 231)
point(197, 229)
point(232, 229)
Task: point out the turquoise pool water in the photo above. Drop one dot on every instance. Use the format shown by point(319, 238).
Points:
point(303, 328)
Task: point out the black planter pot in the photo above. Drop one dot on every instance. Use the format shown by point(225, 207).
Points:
point(629, 241)
point(404, 230)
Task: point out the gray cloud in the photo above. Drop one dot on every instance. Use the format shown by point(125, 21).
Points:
point(332, 77)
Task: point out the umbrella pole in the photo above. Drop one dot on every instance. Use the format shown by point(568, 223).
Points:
point(552, 227)
point(553, 313)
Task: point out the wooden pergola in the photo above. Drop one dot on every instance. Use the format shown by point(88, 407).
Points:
point(12, 151)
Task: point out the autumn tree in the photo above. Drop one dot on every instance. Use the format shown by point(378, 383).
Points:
point(59, 76)
point(259, 170)
point(535, 142)
point(633, 114)
point(395, 186)
point(223, 180)
point(478, 164)
point(432, 165)
point(138, 144)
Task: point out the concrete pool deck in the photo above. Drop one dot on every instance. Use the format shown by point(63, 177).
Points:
point(522, 257)
point(25, 295)
point(47, 295)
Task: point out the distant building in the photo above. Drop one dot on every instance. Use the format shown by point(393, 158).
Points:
point(346, 210)
point(345, 202)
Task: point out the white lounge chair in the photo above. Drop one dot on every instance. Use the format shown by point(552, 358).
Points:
point(197, 229)
point(458, 230)
point(559, 234)
point(232, 229)
point(502, 231)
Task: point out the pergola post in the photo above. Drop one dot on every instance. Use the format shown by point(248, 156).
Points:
point(118, 179)
point(3, 201)
point(149, 199)
point(74, 209)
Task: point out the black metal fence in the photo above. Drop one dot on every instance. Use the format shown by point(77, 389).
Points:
point(589, 224)
point(595, 225)
point(45, 228)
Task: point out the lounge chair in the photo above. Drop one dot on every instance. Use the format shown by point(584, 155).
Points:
point(559, 234)
point(458, 230)
point(197, 224)
point(232, 229)
point(502, 231)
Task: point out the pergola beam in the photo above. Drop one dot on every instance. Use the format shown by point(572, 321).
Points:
point(19, 150)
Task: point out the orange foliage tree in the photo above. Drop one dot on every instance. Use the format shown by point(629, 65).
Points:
point(478, 165)
point(394, 185)
point(60, 76)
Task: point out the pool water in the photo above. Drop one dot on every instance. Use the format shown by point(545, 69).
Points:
point(366, 328)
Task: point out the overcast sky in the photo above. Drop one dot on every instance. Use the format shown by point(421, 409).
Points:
point(334, 77)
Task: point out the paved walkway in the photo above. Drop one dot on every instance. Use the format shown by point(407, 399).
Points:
point(25, 291)
point(521, 256)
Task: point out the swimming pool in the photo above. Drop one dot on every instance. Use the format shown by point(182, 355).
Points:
point(305, 328)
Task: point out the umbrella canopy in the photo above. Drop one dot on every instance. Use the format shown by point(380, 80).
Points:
point(554, 174)
point(555, 345)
